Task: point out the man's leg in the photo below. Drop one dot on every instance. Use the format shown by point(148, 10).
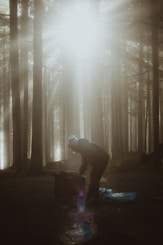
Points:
point(96, 174)
point(92, 194)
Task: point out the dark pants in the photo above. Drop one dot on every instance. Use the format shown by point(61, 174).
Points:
point(95, 176)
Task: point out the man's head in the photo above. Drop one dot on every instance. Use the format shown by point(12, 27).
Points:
point(72, 141)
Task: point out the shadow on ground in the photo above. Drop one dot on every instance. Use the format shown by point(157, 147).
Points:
point(30, 214)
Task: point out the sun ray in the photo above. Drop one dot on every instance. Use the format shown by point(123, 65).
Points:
point(80, 29)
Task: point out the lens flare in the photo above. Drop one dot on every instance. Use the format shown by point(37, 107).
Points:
point(85, 216)
point(81, 200)
point(80, 226)
point(81, 232)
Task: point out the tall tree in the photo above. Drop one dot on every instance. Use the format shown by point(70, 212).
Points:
point(37, 120)
point(116, 102)
point(125, 104)
point(15, 81)
point(24, 78)
point(154, 15)
point(95, 108)
point(140, 98)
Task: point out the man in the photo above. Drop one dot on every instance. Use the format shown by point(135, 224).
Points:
point(96, 157)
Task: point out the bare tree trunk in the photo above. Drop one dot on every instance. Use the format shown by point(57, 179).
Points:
point(155, 73)
point(116, 104)
point(14, 58)
point(96, 112)
point(24, 79)
point(140, 99)
point(37, 120)
point(6, 118)
point(125, 119)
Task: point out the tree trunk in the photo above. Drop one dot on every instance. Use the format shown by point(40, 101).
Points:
point(24, 79)
point(140, 100)
point(37, 120)
point(14, 59)
point(116, 104)
point(125, 117)
point(96, 112)
point(5, 119)
point(155, 74)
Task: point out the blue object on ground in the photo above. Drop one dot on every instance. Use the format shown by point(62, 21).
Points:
point(118, 196)
point(122, 196)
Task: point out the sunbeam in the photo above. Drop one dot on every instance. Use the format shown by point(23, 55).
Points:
point(80, 29)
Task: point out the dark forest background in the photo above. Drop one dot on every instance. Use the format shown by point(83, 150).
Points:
point(114, 98)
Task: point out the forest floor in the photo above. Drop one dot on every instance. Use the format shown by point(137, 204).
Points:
point(30, 214)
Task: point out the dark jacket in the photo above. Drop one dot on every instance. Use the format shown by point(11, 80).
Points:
point(91, 154)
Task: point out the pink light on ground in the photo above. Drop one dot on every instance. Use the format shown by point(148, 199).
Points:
point(85, 216)
point(81, 226)
point(81, 200)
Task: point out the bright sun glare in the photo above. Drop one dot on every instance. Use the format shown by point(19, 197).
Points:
point(80, 30)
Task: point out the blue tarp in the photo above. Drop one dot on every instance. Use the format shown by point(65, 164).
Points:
point(109, 195)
